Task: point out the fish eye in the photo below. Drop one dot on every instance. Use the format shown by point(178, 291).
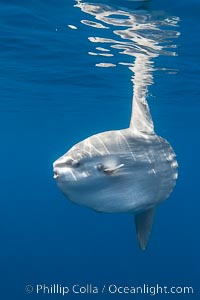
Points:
point(75, 163)
point(100, 167)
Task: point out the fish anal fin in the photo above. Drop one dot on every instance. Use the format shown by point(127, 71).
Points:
point(143, 224)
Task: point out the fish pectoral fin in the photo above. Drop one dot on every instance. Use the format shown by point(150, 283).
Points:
point(143, 224)
point(113, 170)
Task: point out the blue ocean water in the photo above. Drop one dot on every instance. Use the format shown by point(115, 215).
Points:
point(52, 96)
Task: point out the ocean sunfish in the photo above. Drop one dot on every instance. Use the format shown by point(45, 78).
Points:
point(122, 171)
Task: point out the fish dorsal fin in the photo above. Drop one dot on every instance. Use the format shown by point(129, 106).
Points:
point(143, 224)
point(141, 120)
point(141, 117)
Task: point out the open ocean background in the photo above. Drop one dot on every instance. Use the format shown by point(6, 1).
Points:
point(52, 96)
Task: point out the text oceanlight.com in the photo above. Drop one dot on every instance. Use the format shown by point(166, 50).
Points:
point(63, 290)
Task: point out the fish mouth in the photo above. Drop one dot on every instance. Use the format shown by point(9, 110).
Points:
point(56, 171)
point(64, 174)
point(55, 174)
